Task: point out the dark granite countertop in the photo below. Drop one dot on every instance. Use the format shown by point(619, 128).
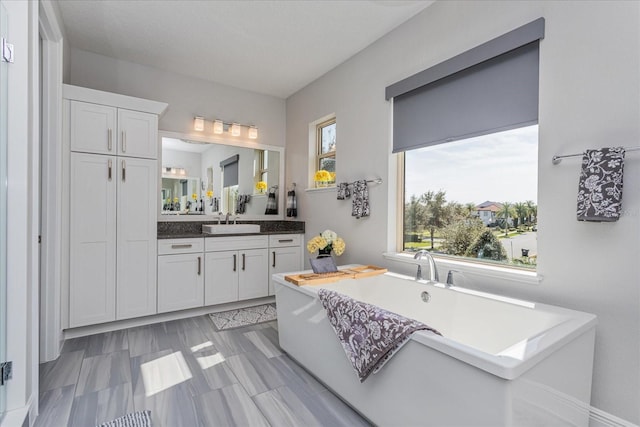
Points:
point(193, 229)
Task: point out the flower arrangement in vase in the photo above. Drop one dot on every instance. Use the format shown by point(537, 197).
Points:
point(324, 178)
point(261, 186)
point(325, 243)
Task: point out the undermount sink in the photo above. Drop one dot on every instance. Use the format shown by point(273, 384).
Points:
point(230, 228)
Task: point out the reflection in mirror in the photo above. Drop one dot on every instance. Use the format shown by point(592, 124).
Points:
point(223, 178)
point(177, 193)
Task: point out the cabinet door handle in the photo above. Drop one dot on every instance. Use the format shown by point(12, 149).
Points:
point(124, 171)
point(124, 142)
point(109, 139)
point(285, 241)
point(274, 259)
point(243, 262)
point(182, 246)
point(109, 168)
point(234, 262)
point(199, 269)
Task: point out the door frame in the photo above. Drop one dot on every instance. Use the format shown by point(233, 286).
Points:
point(52, 35)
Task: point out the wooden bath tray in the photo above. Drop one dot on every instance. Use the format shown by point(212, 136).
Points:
point(321, 278)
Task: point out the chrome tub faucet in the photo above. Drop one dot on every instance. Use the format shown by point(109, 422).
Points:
point(433, 271)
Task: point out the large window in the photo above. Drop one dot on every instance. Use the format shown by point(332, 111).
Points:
point(474, 198)
point(326, 146)
point(467, 128)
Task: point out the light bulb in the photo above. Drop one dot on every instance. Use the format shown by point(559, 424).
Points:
point(218, 126)
point(198, 124)
point(253, 132)
point(235, 129)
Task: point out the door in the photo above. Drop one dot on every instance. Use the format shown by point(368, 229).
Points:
point(283, 260)
point(92, 281)
point(136, 241)
point(3, 201)
point(180, 282)
point(93, 128)
point(137, 134)
point(221, 281)
point(254, 268)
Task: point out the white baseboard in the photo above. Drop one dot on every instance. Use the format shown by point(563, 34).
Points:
point(164, 317)
point(600, 418)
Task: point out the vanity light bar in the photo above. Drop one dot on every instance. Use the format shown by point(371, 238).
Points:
point(174, 171)
point(235, 129)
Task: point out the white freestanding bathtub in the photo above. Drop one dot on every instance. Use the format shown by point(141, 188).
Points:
point(499, 361)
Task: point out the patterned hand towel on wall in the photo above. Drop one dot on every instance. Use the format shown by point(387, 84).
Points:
point(272, 204)
point(360, 204)
point(344, 192)
point(600, 185)
point(292, 204)
point(242, 201)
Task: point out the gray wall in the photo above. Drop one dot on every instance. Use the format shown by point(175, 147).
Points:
point(187, 97)
point(589, 97)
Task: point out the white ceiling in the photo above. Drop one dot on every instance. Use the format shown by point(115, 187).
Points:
point(271, 47)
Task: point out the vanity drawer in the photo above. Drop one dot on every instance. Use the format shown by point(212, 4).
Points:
point(180, 246)
point(235, 243)
point(283, 240)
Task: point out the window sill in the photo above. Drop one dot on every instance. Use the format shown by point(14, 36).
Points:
point(472, 268)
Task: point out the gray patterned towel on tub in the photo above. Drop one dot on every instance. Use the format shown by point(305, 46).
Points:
point(369, 335)
point(600, 186)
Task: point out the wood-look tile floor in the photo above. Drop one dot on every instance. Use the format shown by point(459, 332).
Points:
point(187, 374)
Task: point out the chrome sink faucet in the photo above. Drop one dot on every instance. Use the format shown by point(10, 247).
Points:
point(433, 271)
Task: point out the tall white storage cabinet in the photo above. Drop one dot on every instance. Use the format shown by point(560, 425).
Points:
point(113, 187)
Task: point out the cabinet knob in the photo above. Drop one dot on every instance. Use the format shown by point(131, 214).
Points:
point(199, 266)
point(109, 169)
point(234, 262)
point(124, 142)
point(274, 259)
point(109, 139)
point(243, 262)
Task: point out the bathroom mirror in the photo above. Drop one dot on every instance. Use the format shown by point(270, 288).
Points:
point(200, 177)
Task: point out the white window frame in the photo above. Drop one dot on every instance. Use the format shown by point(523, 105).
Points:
point(314, 150)
point(467, 267)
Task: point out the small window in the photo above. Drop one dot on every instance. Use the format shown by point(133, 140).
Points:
point(475, 198)
point(326, 146)
point(261, 169)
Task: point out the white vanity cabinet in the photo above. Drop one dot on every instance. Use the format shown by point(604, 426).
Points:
point(111, 145)
point(105, 129)
point(236, 268)
point(181, 273)
point(285, 252)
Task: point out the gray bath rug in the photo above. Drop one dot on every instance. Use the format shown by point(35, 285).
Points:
point(135, 419)
point(243, 316)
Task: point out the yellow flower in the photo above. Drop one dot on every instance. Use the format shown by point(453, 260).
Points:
point(175, 200)
point(332, 176)
point(322, 175)
point(339, 246)
point(194, 196)
point(209, 194)
point(261, 185)
point(316, 243)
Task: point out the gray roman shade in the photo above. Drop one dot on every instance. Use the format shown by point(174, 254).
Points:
point(490, 88)
point(230, 171)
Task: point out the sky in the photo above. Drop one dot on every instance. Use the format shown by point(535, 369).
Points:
point(501, 167)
